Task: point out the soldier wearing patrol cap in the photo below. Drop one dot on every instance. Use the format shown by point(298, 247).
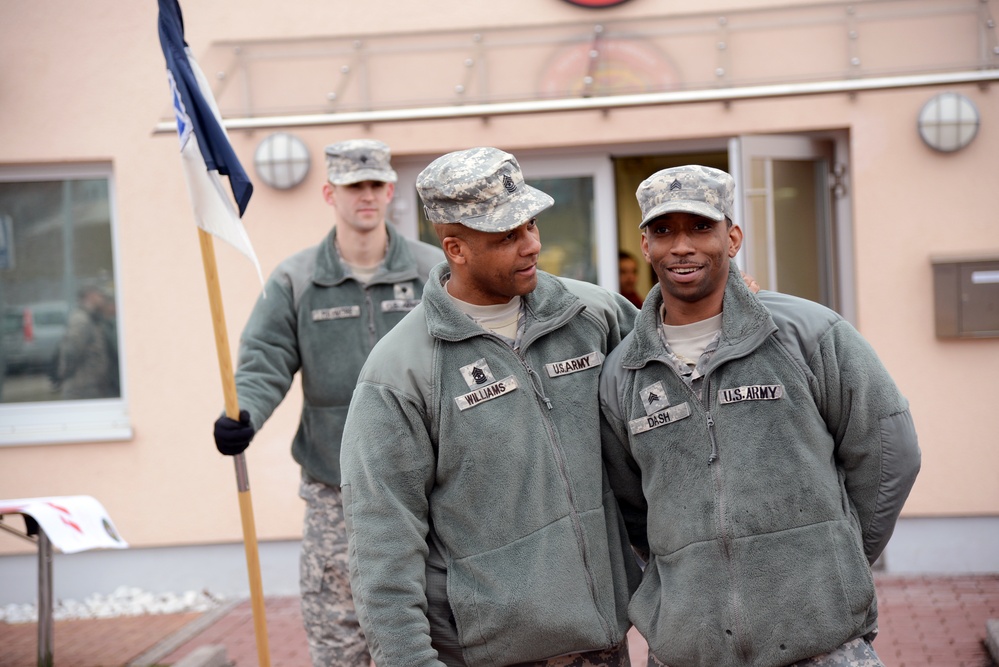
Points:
point(481, 531)
point(759, 450)
point(320, 313)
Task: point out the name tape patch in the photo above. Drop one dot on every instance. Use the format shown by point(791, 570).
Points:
point(399, 305)
point(751, 392)
point(585, 362)
point(487, 393)
point(661, 418)
point(339, 313)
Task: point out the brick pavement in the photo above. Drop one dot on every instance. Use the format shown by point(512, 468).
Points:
point(931, 621)
point(109, 642)
point(936, 621)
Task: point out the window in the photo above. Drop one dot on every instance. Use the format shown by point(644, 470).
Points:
point(577, 233)
point(60, 361)
point(566, 246)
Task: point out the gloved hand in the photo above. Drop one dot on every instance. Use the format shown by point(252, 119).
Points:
point(231, 436)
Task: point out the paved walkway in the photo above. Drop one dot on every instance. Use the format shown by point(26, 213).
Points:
point(925, 622)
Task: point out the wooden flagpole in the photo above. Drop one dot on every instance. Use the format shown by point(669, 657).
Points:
point(242, 479)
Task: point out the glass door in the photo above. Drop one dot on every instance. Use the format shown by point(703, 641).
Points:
point(785, 204)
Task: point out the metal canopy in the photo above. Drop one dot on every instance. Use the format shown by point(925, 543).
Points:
point(807, 49)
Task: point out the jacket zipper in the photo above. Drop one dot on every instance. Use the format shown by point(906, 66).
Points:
point(563, 468)
point(372, 330)
point(538, 388)
point(560, 461)
point(726, 539)
point(570, 496)
point(714, 443)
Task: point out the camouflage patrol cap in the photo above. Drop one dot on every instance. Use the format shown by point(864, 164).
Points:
point(481, 188)
point(692, 188)
point(359, 160)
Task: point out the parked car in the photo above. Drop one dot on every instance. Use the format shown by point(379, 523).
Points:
point(31, 335)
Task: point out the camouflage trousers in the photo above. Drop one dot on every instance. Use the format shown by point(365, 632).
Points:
point(335, 637)
point(855, 653)
point(612, 657)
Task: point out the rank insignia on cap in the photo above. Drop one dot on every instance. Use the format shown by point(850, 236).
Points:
point(654, 398)
point(509, 184)
point(477, 374)
point(675, 185)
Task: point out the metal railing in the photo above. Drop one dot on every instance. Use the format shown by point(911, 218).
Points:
point(656, 60)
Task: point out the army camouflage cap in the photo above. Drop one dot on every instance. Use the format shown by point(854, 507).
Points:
point(359, 160)
point(692, 188)
point(481, 188)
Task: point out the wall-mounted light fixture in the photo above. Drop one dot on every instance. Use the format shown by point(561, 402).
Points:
point(948, 122)
point(281, 160)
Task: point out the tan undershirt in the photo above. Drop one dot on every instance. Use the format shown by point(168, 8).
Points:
point(689, 340)
point(500, 318)
point(363, 274)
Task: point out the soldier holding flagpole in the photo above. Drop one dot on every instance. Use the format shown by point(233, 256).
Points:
point(321, 312)
point(205, 155)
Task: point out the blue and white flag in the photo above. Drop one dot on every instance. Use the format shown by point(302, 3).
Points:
point(204, 145)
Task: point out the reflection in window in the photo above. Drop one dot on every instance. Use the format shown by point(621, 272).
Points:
point(568, 248)
point(57, 292)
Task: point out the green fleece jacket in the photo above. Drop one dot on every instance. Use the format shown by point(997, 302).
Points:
point(763, 500)
point(493, 454)
point(315, 318)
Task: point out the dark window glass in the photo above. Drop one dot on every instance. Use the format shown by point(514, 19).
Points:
point(57, 292)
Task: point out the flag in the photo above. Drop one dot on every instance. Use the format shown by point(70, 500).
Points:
point(204, 145)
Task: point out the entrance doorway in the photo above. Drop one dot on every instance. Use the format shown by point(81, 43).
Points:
point(790, 201)
point(629, 172)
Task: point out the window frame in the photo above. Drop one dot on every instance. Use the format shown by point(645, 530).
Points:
point(69, 421)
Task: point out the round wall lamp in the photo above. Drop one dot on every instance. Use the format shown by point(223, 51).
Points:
point(948, 122)
point(281, 160)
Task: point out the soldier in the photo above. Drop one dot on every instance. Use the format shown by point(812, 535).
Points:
point(481, 528)
point(627, 273)
point(325, 308)
point(86, 365)
point(759, 450)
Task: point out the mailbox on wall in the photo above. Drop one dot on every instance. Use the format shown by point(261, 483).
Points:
point(966, 292)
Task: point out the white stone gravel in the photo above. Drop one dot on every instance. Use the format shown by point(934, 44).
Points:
point(124, 601)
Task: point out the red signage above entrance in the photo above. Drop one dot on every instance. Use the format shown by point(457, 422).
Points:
point(596, 3)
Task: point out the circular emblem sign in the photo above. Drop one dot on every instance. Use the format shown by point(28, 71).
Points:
point(596, 3)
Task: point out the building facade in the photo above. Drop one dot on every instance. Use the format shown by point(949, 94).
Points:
point(862, 135)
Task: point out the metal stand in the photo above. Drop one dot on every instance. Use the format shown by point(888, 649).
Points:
point(34, 533)
point(45, 656)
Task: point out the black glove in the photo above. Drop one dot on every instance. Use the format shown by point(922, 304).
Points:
point(231, 436)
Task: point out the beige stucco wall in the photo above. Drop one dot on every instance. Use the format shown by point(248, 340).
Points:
point(85, 82)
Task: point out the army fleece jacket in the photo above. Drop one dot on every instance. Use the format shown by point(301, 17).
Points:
point(315, 318)
point(763, 500)
point(494, 454)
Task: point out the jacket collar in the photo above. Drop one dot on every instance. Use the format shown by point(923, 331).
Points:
point(397, 267)
point(745, 322)
point(547, 306)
